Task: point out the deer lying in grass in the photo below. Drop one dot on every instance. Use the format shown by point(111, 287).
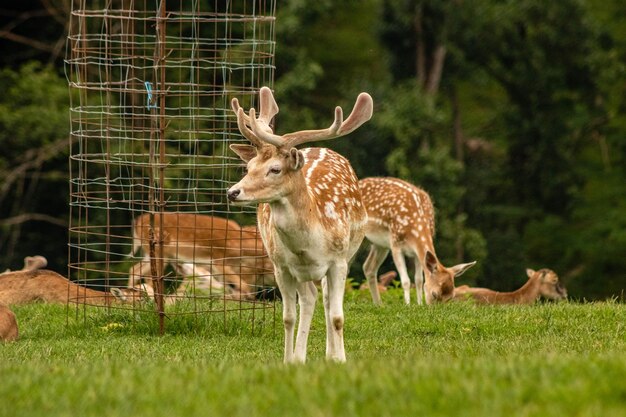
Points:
point(23, 287)
point(542, 283)
point(309, 212)
point(196, 281)
point(233, 255)
point(192, 276)
point(401, 218)
point(8, 324)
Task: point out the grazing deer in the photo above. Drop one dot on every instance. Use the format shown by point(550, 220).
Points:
point(23, 287)
point(232, 254)
point(309, 212)
point(401, 218)
point(542, 283)
point(8, 324)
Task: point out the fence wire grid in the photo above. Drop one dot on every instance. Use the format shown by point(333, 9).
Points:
point(150, 85)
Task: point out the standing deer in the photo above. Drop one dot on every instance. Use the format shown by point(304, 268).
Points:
point(309, 212)
point(401, 218)
point(542, 283)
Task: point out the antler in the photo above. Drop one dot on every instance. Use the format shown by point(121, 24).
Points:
point(260, 131)
point(268, 109)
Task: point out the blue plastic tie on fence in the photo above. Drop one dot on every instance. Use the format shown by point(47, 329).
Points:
point(150, 104)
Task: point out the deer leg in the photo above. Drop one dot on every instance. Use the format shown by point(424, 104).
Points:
point(398, 260)
point(326, 303)
point(335, 288)
point(138, 271)
point(370, 268)
point(419, 281)
point(307, 296)
point(287, 286)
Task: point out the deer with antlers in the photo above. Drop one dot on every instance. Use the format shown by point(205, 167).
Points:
point(401, 218)
point(542, 283)
point(309, 212)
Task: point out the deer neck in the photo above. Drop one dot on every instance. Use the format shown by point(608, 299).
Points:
point(422, 244)
point(528, 293)
point(80, 294)
point(292, 211)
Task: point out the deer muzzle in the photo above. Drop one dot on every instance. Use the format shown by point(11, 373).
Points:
point(232, 194)
point(435, 297)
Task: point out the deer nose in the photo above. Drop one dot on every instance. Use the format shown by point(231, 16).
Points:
point(233, 194)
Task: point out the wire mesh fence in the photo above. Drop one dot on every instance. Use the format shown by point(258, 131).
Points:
point(150, 85)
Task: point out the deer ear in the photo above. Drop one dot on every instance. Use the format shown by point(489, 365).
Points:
point(461, 268)
point(245, 152)
point(431, 262)
point(296, 159)
point(117, 293)
point(530, 272)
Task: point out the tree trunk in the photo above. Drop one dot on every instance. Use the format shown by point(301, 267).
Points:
point(420, 56)
point(459, 147)
point(436, 69)
point(457, 128)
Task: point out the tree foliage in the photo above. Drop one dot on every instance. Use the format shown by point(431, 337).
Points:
point(33, 165)
point(511, 114)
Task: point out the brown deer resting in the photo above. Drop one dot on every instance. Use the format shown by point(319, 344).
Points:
point(22, 287)
point(197, 281)
point(8, 324)
point(542, 283)
point(401, 219)
point(232, 254)
point(309, 212)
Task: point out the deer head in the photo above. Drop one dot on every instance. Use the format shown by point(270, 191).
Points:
point(273, 162)
point(440, 280)
point(550, 286)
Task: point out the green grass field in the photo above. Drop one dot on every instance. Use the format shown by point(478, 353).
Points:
point(566, 359)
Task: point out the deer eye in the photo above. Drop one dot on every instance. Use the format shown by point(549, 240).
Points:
point(275, 170)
